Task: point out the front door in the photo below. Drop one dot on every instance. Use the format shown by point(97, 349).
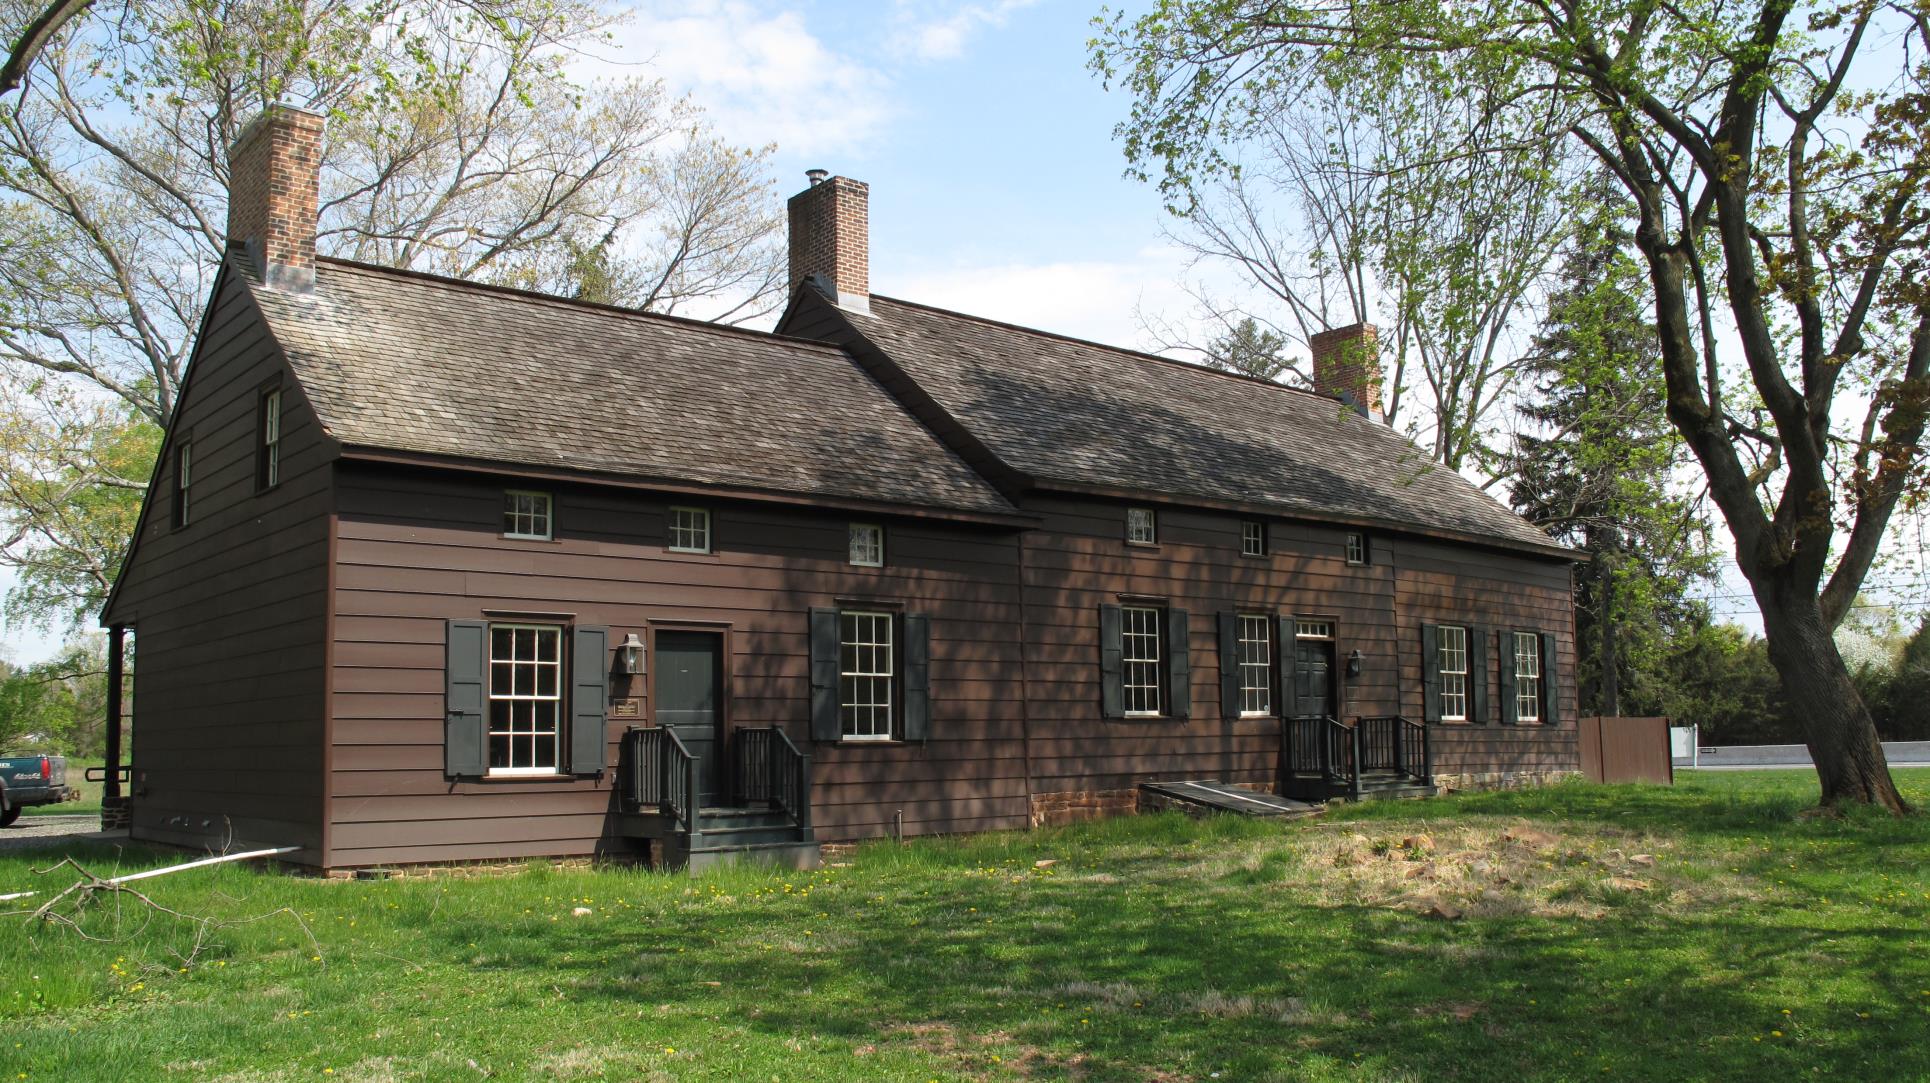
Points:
point(689, 696)
point(1313, 677)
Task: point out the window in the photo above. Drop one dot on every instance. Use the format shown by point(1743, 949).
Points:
point(1256, 664)
point(1454, 674)
point(1356, 548)
point(526, 515)
point(1313, 629)
point(689, 530)
point(1140, 662)
point(1527, 677)
point(866, 668)
point(867, 545)
point(1141, 527)
point(268, 469)
point(183, 479)
point(525, 698)
point(1253, 539)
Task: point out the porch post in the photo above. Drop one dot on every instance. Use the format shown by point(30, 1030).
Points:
point(111, 783)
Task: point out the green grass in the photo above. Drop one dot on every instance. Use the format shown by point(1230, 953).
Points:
point(90, 793)
point(1758, 942)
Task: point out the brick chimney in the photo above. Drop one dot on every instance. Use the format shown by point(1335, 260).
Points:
point(831, 238)
point(1346, 365)
point(274, 194)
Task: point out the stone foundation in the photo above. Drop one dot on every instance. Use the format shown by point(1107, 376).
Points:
point(1499, 780)
point(117, 814)
point(1073, 806)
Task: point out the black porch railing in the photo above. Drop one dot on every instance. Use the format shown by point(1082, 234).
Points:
point(1323, 747)
point(770, 769)
point(1396, 743)
point(659, 774)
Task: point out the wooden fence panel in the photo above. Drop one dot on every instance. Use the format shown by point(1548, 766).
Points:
point(1626, 750)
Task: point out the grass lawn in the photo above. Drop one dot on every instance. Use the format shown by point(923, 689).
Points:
point(1709, 931)
point(90, 795)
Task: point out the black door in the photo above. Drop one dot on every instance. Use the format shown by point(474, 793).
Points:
point(689, 691)
point(1313, 677)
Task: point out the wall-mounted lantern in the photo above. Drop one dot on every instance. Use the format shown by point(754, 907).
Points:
point(630, 656)
point(1353, 663)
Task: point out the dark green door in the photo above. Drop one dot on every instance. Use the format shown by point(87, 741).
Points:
point(689, 692)
point(1313, 677)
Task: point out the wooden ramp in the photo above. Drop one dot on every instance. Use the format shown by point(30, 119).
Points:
point(1211, 796)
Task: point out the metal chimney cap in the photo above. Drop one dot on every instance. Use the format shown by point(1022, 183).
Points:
point(816, 176)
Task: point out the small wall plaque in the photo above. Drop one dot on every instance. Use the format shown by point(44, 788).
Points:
point(624, 708)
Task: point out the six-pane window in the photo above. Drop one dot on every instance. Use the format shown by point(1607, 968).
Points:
point(1356, 548)
point(1527, 677)
point(183, 478)
point(866, 671)
point(269, 475)
point(1141, 668)
point(1454, 674)
point(1141, 526)
point(525, 698)
point(1253, 539)
point(867, 545)
point(1256, 664)
point(689, 530)
point(526, 514)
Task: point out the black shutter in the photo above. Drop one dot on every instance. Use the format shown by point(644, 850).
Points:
point(1478, 675)
point(825, 724)
point(1288, 671)
point(465, 735)
point(589, 700)
point(1430, 673)
point(1550, 684)
point(1229, 664)
point(1179, 665)
point(1112, 649)
point(1510, 707)
point(917, 677)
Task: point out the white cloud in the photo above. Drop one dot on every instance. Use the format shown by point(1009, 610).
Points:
point(944, 37)
point(758, 71)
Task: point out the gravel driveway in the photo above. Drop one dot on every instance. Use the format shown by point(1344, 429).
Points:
point(42, 832)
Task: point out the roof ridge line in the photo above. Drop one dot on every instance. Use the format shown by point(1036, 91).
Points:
point(1138, 355)
point(599, 307)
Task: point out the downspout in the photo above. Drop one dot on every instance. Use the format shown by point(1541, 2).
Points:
point(1025, 680)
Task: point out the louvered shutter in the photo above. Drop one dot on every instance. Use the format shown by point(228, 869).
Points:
point(1229, 664)
point(1550, 681)
point(1431, 672)
point(1288, 672)
point(1179, 665)
point(917, 677)
point(1510, 706)
point(589, 700)
point(1478, 675)
point(465, 738)
point(1112, 650)
point(825, 724)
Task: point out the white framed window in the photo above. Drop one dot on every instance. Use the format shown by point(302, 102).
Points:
point(867, 672)
point(525, 698)
point(689, 530)
point(1356, 548)
point(867, 545)
point(183, 481)
point(1142, 526)
point(1253, 538)
point(1313, 629)
point(1142, 668)
point(1527, 677)
point(269, 475)
point(1256, 664)
point(526, 514)
point(1453, 658)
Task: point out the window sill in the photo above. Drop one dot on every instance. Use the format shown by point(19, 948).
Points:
point(531, 778)
point(1150, 547)
point(871, 742)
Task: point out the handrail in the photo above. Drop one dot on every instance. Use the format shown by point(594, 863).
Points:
point(659, 772)
point(770, 769)
point(1398, 743)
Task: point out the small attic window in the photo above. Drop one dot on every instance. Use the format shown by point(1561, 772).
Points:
point(1356, 548)
point(526, 515)
point(1142, 527)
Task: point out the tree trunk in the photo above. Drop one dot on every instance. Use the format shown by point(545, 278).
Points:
point(1816, 685)
point(1611, 705)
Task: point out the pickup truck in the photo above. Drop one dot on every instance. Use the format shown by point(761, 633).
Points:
point(32, 779)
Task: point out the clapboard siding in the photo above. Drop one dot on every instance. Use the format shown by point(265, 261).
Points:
point(416, 549)
point(228, 613)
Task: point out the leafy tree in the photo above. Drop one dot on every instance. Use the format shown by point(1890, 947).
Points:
point(458, 142)
point(58, 705)
point(1774, 154)
point(1251, 350)
point(1720, 679)
point(1597, 471)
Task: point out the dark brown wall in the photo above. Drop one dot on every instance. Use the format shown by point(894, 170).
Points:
point(417, 549)
point(228, 615)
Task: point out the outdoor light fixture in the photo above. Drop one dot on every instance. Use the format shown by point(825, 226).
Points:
point(630, 656)
point(1353, 663)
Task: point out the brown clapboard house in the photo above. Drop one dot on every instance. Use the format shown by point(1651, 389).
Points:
point(435, 571)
